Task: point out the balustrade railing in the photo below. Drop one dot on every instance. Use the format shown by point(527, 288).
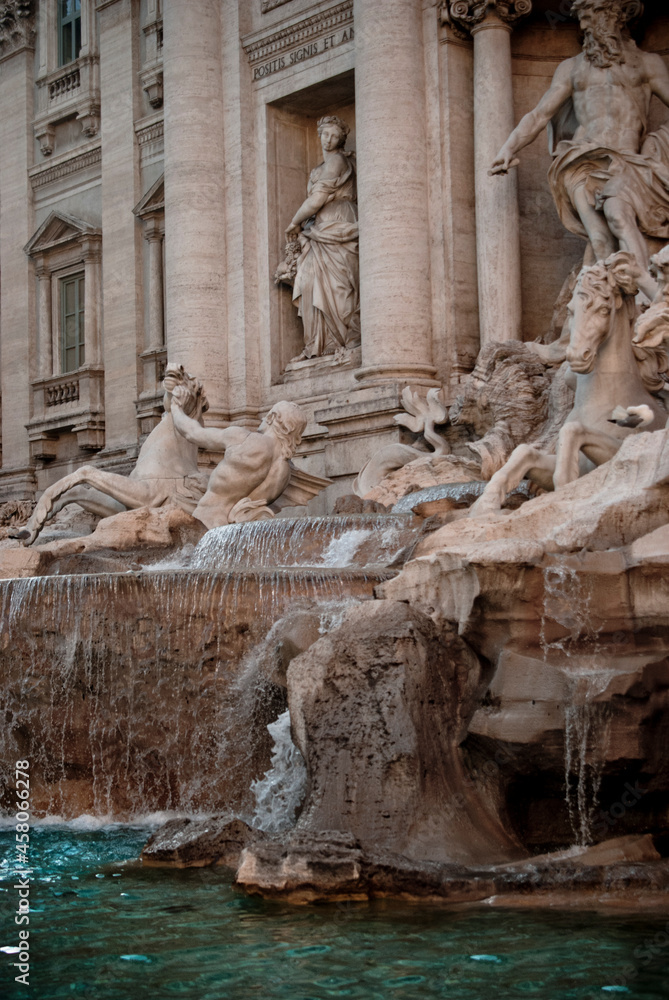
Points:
point(62, 392)
point(65, 85)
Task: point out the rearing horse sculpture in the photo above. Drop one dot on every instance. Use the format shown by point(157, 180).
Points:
point(609, 371)
point(165, 465)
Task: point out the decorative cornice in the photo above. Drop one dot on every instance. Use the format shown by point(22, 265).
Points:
point(17, 25)
point(150, 133)
point(300, 33)
point(268, 5)
point(54, 171)
point(470, 14)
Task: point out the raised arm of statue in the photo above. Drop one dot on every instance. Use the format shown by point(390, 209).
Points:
point(215, 439)
point(535, 121)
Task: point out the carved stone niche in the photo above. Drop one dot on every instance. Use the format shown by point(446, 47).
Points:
point(150, 210)
point(67, 406)
point(293, 150)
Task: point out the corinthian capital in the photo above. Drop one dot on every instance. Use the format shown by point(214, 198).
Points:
point(469, 14)
point(16, 24)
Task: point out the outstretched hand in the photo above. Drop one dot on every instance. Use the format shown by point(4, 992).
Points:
point(503, 163)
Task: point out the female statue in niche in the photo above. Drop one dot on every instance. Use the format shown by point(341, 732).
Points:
point(322, 250)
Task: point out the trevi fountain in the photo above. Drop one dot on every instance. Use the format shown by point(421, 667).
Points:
point(405, 738)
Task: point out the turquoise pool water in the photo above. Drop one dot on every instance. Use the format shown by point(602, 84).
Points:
point(102, 927)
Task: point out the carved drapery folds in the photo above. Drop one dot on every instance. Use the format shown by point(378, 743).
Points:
point(322, 258)
point(469, 14)
point(17, 24)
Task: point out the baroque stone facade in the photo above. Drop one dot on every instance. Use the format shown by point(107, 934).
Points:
point(152, 153)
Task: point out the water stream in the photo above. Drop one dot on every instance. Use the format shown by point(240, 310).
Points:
point(279, 793)
point(588, 673)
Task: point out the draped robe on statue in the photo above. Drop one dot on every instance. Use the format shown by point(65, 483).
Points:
point(326, 287)
point(641, 179)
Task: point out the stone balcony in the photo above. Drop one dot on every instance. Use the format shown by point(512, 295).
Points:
point(67, 404)
point(70, 91)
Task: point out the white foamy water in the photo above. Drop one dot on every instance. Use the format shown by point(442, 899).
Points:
point(280, 792)
point(87, 823)
point(341, 551)
point(182, 559)
point(332, 613)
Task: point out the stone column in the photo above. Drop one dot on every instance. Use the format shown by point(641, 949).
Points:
point(45, 342)
point(395, 295)
point(92, 302)
point(194, 191)
point(497, 221)
point(156, 320)
point(17, 316)
point(121, 249)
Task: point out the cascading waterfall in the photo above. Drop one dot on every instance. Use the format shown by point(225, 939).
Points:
point(587, 728)
point(567, 601)
point(124, 689)
point(279, 793)
point(327, 542)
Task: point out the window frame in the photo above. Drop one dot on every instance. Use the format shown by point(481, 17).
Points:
point(78, 279)
point(73, 20)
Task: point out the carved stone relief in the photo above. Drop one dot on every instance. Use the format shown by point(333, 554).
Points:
point(16, 24)
point(268, 5)
point(468, 14)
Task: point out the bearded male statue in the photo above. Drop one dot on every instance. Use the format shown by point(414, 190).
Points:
point(609, 178)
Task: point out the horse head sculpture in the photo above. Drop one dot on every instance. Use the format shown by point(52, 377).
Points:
point(601, 291)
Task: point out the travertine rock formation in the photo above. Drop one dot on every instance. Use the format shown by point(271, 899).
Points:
point(378, 709)
point(194, 843)
point(530, 718)
point(121, 542)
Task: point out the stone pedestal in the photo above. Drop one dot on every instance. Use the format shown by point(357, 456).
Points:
point(395, 300)
point(194, 190)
